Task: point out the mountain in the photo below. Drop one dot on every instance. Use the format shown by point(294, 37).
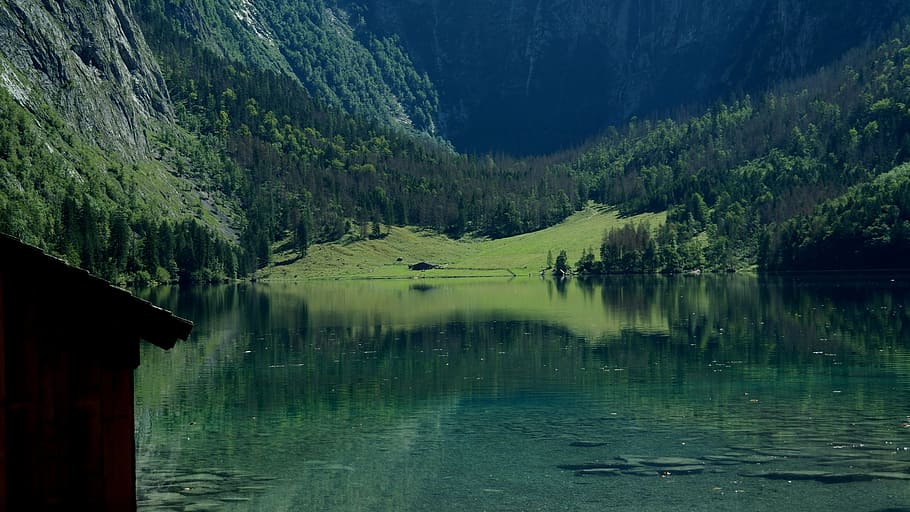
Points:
point(792, 179)
point(533, 76)
point(527, 76)
point(90, 62)
point(188, 139)
point(231, 159)
point(327, 49)
point(94, 165)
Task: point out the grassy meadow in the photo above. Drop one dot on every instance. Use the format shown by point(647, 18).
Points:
point(389, 257)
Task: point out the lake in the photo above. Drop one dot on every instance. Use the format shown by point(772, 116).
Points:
point(630, 393)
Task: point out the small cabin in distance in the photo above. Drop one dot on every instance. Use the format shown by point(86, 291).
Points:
point(423, 265)
point(69, 343)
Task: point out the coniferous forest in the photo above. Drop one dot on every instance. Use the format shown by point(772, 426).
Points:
point(806, 175)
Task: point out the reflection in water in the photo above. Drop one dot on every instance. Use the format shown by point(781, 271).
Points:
point(644, 393)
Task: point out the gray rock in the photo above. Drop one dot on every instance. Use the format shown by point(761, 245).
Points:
point(90, 61)
point(587, 444)
point(599, 472)
point(665, 462)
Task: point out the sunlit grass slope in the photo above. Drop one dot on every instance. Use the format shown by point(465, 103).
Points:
point(390, 256)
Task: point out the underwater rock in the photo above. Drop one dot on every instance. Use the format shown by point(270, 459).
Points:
point(198, 477)
point(819, 476)
point(587, 444)
point(681, 470)
point(722, 460)
point(597, 465)
point(807, 474)
point(890, 475)
point(671, 462)
point(599, 472)
point(204, 506)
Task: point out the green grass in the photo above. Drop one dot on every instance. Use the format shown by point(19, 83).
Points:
point(525, 254)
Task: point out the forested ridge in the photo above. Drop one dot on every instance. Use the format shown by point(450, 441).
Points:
point(805, 176)
point(305, 169)
point(86, 207)
point(289, 168)
point(328, 50)
point(752, 180)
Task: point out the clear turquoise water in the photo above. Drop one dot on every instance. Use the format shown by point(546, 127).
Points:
point(648, 393)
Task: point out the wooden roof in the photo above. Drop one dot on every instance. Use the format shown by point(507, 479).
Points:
point(33, 267)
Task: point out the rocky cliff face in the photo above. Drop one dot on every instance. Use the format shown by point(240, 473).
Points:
point(534, 75)
point(90, 62)
point(520, 76)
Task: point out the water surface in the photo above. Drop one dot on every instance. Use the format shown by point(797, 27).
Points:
point(644, 393)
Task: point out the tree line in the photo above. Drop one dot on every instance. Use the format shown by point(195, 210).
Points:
point(797, 178)
point(753, 181)
point(306, 171)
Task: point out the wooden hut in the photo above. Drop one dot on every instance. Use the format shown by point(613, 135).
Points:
point(69, 343)
point(423, 265)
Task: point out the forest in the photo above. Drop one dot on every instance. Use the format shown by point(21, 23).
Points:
point(798, 179)
point(806, 176)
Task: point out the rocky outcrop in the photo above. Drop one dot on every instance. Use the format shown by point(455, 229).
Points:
point(535, 75)
point(89, 61)
point(519, 76)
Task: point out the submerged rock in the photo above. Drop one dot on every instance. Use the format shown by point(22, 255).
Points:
point(155, 498)
point(842, 478)
point(826, 477)
point(722, 460)
point(599, 472)
point(587, 444)
point(681, 470)
point(597, 465)
point(198, 477)
point(671, 462)
point(204, 506)
point(890, 475)
point(807, 474)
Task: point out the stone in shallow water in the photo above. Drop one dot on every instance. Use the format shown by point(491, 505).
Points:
point(665, 462)
point(843, 478)
point(253, 488)
point(234, 499)
point(597, 465)
point(807, 474)
point(599, 472)
point(198, 477)
point(758, 459)
point(339, 467)
point(819, 476)
point(161, 498)
point(587, 444)
point(780, 453)
point(722, 460)
point(197, 489)
point(642, 472)
point(890, 475)
point(682, 470)
point(204, 506)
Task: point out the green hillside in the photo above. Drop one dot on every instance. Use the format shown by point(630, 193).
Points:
point(354, 258)
point(233, 168)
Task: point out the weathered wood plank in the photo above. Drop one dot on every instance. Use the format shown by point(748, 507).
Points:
point(4, 505)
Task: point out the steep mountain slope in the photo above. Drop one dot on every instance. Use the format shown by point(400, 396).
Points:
point(92, 165)
point(759, 180)
point(90, 62)
point(327, 49)
point(531, 76)
point(196, 171)
point(234, 159)
point(528, 76)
